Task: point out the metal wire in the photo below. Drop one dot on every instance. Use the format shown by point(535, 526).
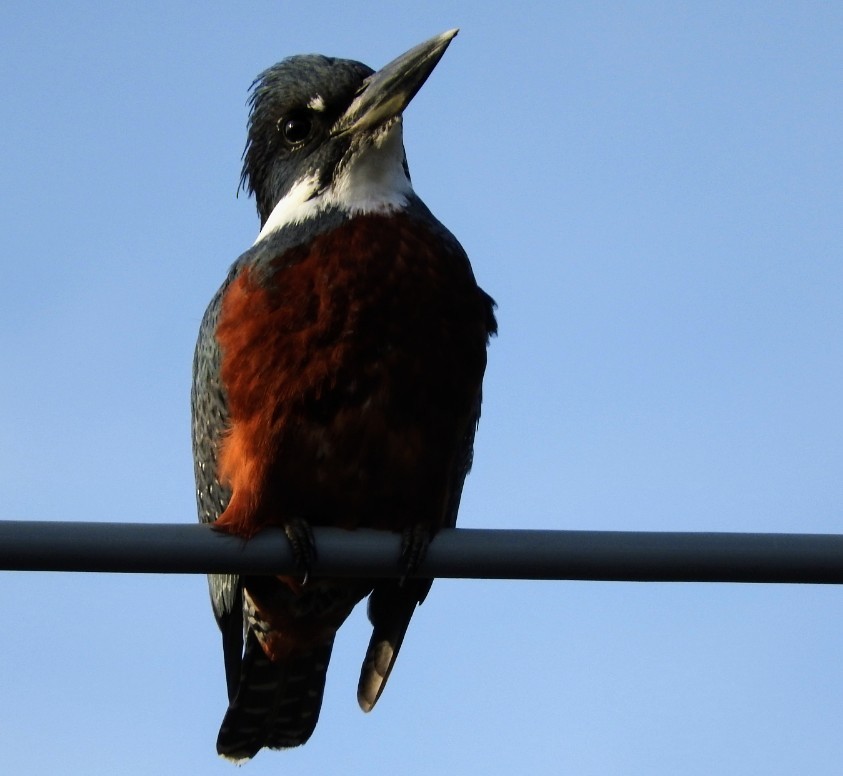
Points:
point(469, 553)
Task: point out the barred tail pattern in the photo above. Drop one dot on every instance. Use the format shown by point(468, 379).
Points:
point(277, 703)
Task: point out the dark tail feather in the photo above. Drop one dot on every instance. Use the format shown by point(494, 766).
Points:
point(277, 704)
point(391, 606)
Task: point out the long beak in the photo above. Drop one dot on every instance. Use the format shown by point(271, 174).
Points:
point(386, 93)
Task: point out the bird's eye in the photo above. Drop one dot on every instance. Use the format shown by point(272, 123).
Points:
point(295, 129)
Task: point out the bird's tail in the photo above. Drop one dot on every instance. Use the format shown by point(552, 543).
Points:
point(277, 703)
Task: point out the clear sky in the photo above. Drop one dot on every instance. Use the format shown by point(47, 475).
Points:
point(653, 192)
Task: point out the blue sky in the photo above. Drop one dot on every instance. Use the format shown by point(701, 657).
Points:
point(653, 192)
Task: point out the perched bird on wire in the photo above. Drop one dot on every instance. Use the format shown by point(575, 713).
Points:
point(336, 382)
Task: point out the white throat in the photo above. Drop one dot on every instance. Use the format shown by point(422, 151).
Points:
point(373, 182)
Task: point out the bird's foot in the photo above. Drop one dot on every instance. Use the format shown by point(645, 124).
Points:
point(414, 543)
point(300, 535)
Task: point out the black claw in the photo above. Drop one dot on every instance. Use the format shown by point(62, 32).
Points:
point(414, 543)
point(300, 535)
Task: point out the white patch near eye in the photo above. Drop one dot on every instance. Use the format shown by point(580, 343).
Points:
point(317, 103)
point(372, 180)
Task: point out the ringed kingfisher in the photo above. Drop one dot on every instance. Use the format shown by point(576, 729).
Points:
point(336, 382)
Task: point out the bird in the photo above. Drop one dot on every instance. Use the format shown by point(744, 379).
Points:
point(337, 381)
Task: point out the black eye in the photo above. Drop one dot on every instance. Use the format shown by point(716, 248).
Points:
point(295, 130)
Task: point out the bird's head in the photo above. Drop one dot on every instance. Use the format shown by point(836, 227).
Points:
point(326, 133)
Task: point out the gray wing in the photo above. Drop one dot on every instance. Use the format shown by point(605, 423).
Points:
point(209, 419)
point(392, 603)
point(209, 414)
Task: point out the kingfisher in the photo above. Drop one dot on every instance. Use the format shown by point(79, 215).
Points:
point(336, 382)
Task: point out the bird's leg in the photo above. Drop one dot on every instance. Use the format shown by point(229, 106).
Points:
point(414, 543)
point(300, 535)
